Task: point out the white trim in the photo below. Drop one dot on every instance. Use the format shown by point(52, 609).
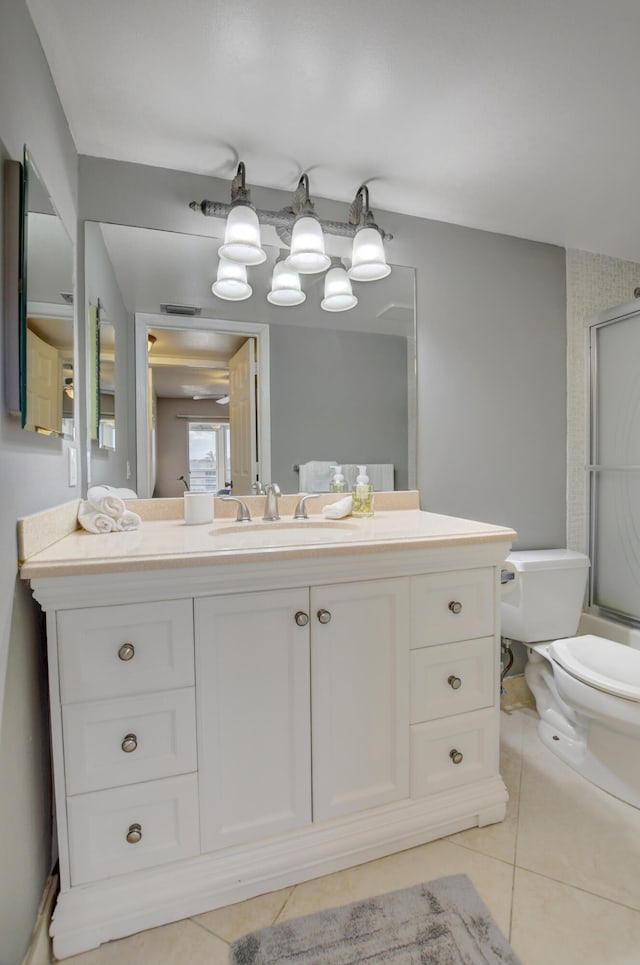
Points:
point(256, 330)
point(120, 906)
point(39, 950)
point(49, 310)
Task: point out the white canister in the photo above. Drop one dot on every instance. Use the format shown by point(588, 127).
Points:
point(198, 508)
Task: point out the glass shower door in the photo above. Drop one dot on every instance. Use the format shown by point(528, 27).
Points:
point(615, 468)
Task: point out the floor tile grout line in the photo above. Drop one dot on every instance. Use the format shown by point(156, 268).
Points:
point(209, 931)
point(284, 904)
point(584, 891)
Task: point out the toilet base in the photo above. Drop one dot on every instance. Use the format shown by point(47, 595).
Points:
point(577, 753)
point(604, 751)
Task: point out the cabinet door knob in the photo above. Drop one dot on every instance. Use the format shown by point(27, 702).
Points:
point(134, 834)
point(302, 618)
point(129, 743)
point(455, 756)
point(127, 651)
point(454, 682)
point(324, 616)
point(455, 606)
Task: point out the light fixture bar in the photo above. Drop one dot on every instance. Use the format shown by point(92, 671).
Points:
point(283, 220)
point(278, 219)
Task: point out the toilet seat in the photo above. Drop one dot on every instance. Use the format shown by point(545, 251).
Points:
point(600, 663)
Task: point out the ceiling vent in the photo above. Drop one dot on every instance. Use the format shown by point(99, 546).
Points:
point(190, 310)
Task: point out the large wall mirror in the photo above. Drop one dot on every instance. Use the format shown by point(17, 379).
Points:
point(47, 367)
point(230, 392)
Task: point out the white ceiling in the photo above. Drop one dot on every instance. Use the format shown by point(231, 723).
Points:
point(518, 116)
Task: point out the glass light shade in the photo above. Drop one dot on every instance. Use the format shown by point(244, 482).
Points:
point(338, 296)
point(231, 282)
point(285, 286)
point(307, 256)
point(368, 261)
point(242, 237)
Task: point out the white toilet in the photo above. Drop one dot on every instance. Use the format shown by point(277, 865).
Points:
point(587, 689)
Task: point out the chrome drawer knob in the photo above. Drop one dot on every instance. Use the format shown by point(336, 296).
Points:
point(302, 618)
point(134, 834)
point(454, 682)
point(455, 756)
point(127, 651)
point(129, 744)
point(455, 606)
point(324, 616)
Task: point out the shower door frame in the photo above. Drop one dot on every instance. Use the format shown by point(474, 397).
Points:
point(604, 320)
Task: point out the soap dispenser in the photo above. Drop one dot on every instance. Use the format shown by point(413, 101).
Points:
point(338, 483)
point(362, 494)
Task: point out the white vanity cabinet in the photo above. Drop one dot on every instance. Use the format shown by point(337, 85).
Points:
point(294, 676)
point(220, 731)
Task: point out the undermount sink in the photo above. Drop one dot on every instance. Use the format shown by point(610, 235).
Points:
point(289, 532)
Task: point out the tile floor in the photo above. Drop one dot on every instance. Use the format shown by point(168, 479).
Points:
point(561, 875)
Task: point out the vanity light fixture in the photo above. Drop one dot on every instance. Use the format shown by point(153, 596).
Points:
point(307, 256)
point(285, 286)
point(231, 282)
point(242, 233)
point(338, 294)
point(298, 226)
point(368, 260)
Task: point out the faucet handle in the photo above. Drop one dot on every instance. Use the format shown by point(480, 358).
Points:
point(301, 507)
point(243, 515)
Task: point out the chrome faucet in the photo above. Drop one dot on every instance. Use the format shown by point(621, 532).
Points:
point(243, 515)
point(300, 512)
point(272, 491)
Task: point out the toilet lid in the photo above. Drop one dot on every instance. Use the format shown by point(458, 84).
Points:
point(609, 666)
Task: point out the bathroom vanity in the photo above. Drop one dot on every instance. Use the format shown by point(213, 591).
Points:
point(235, 710)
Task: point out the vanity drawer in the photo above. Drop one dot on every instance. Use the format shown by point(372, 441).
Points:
point(112, 742)
point(163, 813)
point(114, 651)
point(452, 606)
point(436, 746)
point(452, 678)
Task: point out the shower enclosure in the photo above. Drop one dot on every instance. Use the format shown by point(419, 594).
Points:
point(614, 465)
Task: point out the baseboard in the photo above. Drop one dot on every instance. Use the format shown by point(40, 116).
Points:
point(517, 693)
point(39, 951)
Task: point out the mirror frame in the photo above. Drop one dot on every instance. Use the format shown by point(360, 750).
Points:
point(13, 247)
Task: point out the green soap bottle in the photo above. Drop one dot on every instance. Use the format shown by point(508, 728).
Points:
point(338, 483)
point(362, 494)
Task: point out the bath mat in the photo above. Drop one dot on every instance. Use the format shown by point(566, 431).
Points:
point(442, 922)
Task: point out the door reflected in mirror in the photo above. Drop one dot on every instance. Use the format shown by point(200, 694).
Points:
point(48, 367)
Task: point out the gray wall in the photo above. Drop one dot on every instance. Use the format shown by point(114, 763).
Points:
point(337, 395)
point(490, 342)
point(34, 475)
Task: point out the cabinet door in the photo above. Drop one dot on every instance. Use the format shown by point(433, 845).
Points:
point(360, 695)
point(252, 687)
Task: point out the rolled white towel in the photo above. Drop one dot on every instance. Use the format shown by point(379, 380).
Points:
point(94, 521)
point(338, 510)
point(104, 500)
point(128, 520)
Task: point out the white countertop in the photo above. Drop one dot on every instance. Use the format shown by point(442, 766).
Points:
point(170, 543)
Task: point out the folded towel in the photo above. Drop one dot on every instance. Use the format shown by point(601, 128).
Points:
point(94, 521)
point(104, 500)
point(128, 520)
point(338, 510)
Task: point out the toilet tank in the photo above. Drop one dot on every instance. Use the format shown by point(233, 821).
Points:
point(545, 600)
